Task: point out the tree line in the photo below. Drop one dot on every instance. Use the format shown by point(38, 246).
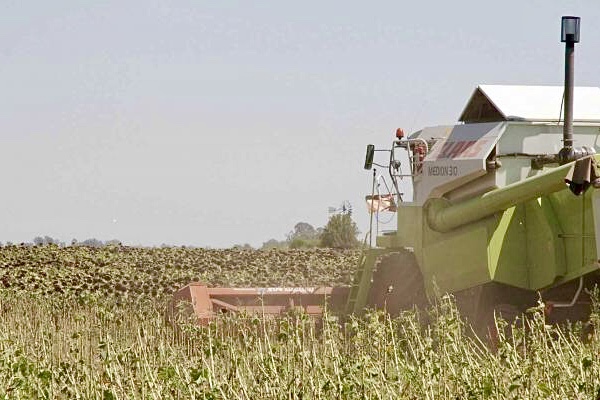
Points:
point(339, 233)
point(48, 240)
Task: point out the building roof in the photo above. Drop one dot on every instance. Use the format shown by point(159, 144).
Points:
point(490, 103)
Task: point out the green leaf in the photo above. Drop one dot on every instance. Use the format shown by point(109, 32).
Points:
point(586, 362)
point(108, 395)
point(544, 388)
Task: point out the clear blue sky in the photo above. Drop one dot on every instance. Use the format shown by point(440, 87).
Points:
point(215, 123)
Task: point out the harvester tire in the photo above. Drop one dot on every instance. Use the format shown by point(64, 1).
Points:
point(397, 284)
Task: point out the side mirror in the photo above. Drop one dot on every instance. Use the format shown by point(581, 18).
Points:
point(369, 157)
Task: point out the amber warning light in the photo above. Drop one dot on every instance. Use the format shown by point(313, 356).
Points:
point(399, 133)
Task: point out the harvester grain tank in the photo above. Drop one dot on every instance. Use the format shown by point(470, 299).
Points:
point(504, 206)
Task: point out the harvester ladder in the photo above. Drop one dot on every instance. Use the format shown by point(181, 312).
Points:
point(361, 283)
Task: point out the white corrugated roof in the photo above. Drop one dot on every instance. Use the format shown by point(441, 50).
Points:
point(536, 103)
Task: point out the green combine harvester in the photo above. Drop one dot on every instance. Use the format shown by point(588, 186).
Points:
point(505, 207)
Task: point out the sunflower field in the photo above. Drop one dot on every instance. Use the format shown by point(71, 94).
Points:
point(90, 273)
point(90, 323)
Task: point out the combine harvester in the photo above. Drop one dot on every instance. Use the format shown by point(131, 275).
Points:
point(505, 206)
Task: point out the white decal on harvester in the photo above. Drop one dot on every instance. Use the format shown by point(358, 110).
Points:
point(290, 290)
point(442, 170)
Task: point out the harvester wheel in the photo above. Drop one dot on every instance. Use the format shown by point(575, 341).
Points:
point(397, 284)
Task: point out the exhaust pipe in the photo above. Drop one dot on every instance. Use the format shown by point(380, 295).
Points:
point(570, 36)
